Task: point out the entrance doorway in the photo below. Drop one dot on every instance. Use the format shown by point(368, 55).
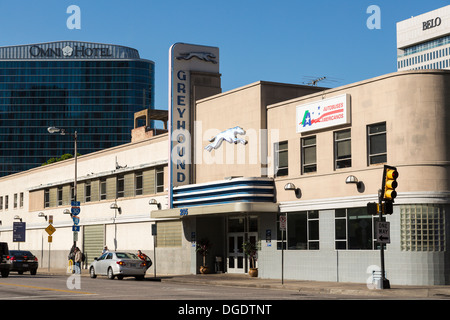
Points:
point(240, 229)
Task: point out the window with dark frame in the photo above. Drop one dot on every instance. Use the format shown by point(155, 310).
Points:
point(46, 198)
point(87, 191)
point(354, 229)
point(281, 158)
point(342, 149)
point(120, 186)
point(59, 195)
point(102, 188)
point(302, 231)
point(138, 178)
point(376, 143)
point(309, 156)
point(159, 179)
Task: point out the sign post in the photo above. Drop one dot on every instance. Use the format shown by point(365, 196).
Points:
point(19, 232)
point(75, 211)
point(283, 222)
point(154, 234)
point(50, 230)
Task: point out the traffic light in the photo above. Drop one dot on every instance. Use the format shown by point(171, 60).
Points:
point(388, 207)
point(372, 208)
point(390, 183)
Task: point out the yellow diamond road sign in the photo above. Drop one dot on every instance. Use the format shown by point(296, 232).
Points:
point(50, 229)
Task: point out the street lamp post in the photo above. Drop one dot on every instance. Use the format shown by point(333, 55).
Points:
point(63, 132)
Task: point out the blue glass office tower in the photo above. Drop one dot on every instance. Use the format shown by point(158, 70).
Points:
point(91, 88)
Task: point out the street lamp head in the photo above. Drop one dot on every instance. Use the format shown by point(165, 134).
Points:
point(56, 130)
point(53, 130)
point(42, 215)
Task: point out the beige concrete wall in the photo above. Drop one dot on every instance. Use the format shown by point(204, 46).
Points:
point(244, 107)
point(414, 106)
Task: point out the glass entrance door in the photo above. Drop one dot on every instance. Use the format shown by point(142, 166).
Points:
point(235, 259)
point(240, 229)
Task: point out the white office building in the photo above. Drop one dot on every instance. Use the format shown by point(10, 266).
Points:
point(423, 42)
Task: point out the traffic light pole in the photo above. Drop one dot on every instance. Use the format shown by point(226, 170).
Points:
point(384, 282)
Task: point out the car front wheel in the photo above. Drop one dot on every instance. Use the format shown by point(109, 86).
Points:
point(110, 274)
point(92, 273)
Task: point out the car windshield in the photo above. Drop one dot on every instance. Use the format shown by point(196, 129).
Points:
point(20, 253)
point(126, 255)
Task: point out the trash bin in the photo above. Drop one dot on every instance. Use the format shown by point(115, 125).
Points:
point(219, 264)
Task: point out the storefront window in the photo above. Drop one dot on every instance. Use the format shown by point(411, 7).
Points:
point(354, 229)
point(302, 231)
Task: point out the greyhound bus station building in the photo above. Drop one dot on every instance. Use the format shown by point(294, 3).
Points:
point(313, 155)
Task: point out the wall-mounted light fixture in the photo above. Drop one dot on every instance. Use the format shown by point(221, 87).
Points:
point(154, 202)
point(291, 187)
point(116, 207)
point(16, 217)
point(352, 179)
point(42, 215)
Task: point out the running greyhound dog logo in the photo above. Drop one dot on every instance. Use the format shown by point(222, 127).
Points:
point(229, 135)
point(205, 56)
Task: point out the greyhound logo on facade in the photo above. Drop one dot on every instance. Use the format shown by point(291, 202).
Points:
point(205, 56)
point(229, 135)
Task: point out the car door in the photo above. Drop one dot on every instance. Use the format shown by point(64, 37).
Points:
point(100, 264)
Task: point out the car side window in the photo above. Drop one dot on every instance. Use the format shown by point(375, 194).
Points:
point(109, 256)
point(102, 257)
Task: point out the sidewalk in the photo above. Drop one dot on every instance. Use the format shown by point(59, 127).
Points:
point(312, 287)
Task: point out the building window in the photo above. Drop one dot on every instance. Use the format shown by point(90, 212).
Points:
point(281, 158)
point(139, 183)
point(60, 195)
point(87, 191)
point(21, 200)
point(376, 143)
point(46, 198)
point(72, 192)
point(15, 201)
point(422, 227)
point(1, 203)
point(302, 232)
point(169, 234)
point(6, 202)
point(342, 149)
point(102, 188)
point(159, 179)
point(309, 161)
point(120, 186)
point(354, 229)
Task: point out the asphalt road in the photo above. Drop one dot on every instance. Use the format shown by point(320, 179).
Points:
point(72, 287)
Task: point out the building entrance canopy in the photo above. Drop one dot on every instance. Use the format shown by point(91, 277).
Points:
point(226, 208)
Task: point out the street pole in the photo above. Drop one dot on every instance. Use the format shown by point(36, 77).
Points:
point(384, 282)
point(75, 185)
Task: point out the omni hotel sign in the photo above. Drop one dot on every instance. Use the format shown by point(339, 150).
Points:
point(68, 51)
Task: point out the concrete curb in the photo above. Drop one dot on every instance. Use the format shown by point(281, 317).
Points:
point(305, 287)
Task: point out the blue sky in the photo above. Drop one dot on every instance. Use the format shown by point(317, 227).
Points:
point(283, 41)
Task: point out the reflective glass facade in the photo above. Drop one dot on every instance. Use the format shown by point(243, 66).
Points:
point(96, 96)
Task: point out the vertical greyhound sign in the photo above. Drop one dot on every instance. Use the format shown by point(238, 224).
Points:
point(184, 58)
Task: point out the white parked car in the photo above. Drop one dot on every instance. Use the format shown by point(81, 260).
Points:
point(118, 264)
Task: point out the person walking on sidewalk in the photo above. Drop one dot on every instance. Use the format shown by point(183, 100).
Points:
point(78, 259)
